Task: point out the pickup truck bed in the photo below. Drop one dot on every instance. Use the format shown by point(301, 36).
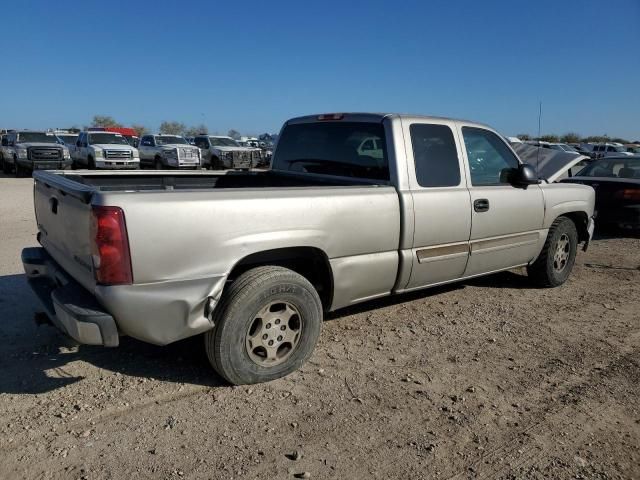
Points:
point(146, 181)
point(205, 224)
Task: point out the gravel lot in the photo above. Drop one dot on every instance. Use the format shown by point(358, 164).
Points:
point(487, 379)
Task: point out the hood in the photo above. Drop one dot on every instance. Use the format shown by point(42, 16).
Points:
point(38, 144)
point(109, 146)
point(550, 164)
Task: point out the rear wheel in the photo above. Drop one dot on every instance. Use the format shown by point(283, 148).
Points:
point(267, 325)
point(554, 265)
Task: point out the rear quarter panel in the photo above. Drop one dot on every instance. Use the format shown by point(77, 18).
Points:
point(181, 236)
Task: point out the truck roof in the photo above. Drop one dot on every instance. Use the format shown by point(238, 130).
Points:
point(375, 117)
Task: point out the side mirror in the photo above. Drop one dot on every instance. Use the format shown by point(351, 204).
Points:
point(525, 175)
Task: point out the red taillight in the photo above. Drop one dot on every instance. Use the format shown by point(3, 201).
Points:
point(331, 116)
point(110, 248)
point(629, 194)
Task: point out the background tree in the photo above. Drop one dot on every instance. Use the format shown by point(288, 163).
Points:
point(624, 141)
point(549, 138)
point(233, 134)
point(524, 136)
point(196, 130)
point(570, 137)
point(172, 128)
point(140, 129)
point(596, 139)
point(104, 121)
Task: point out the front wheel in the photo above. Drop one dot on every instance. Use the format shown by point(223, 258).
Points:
point(554, 265)
point(266, 326)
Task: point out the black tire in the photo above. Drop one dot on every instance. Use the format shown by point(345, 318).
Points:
point(91, 163)
point(157, 164)
point(18, 170)
point(227, 345)
point(6, 167)
point(551, 269)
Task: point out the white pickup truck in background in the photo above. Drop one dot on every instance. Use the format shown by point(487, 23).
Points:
point(104, 150)
point(168, 151)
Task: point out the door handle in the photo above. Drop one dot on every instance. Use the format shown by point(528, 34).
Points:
point(481, 205)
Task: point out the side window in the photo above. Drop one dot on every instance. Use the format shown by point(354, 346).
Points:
point(490, 160)
point(436, 158)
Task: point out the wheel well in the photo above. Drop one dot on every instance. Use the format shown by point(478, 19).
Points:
point(312, 263)
point(581, 221)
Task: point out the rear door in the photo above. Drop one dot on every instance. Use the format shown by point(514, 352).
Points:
point(442, 205)
point(506, 222)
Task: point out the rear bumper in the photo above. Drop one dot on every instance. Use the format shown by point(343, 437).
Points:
point(71, 307)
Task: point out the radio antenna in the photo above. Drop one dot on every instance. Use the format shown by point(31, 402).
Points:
point(539, 133)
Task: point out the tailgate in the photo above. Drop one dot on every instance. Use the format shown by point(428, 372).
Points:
point(63, 215)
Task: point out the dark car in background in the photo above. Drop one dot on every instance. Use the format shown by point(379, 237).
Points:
point(616, 181)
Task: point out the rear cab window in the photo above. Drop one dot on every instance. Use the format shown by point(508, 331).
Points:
point(346, 149)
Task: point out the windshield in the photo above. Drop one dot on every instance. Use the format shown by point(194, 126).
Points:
point(614, 168)
point(107, 139)
point(35, 137)
point(169, 140)
point(568, 148)
point(223, 142)
point(348, 149)
point(68, 139)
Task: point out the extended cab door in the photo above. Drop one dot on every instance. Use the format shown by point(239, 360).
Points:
point(506, 224)
point(441, 203)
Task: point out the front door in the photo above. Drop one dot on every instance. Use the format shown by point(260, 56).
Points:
point(440, 200)
point(506, 222)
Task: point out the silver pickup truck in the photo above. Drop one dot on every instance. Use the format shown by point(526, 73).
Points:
point(253, 259)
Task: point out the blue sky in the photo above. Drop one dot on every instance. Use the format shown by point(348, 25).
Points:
point(250, 66)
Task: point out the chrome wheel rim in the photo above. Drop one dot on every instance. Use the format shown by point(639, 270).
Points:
point(273, 334)
point(561, 255)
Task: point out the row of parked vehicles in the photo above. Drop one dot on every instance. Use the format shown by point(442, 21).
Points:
point(24, 151)
point(591, 150)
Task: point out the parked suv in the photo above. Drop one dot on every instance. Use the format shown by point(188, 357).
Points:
point(168, 151)
point(104, 150)
point(219, 152)
point(26, 151)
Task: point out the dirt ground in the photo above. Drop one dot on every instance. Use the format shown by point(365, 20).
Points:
point(487, 379)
